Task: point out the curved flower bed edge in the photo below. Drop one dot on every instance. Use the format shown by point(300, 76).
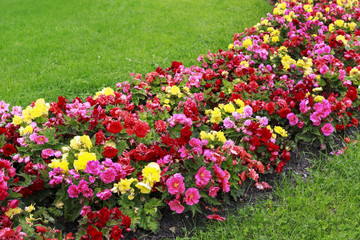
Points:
point(185, 138)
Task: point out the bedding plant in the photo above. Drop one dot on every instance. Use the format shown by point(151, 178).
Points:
point(184, 138)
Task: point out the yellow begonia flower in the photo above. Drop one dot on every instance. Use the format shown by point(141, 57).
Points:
point(108, 91)
point(281, 131)
point(13, 211)
point(151, 173)
point(27, 129)
point(83, 159)
point(30, 208)
point(81, 142)
point(287, 61)
point(229, 108)
point(216, 116)
point(354, 72)
point(17, 120)
point(143, 187)
point(246, 43)
point(221, 136)
point(319, 99)
point(318, 89)
point(63, 164)
point(123, 186)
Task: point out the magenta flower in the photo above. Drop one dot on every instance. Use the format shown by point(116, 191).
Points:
point(192, 196)
point(327, 129)
point(108, 176)
point(73, 191)
point(104, 195)
point(176, 206)
point(40, 140)
point(202, 177)
point(176, 184)
point(46, 153)
point(93, 167)
point(293, 119)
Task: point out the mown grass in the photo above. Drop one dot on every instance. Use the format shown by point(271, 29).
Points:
point(324, 206)
point(74, 48)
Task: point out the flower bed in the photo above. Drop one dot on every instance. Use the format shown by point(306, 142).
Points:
point(182, 138)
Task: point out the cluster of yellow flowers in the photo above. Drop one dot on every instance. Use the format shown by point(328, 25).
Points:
point(81, 142)
point(175, 91)
point(106, 91)
point(151, 175)
point(287, 61)
point(246, 43)
point(281, 131)
point(83, 159)
point(41, 108)
point(306, 64)
point(211, 136)
point(63, 164)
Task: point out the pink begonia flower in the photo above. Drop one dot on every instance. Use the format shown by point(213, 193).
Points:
point(73, 191)
point(264, 121)
point(84, 189)
point(17, 110)
point(104, 195)
point(46, 153)
point(327, 129)
point(199, 97)
point(236, 115)
point(176, 206)
point(293, 119)
point(39, 139)
point(315, 118)
point(85, 210)
point(93, 167)
point(324, 69)
point(176, 184)
point(192, 196)
point(4, 107)
point(216, 217)
point(194, 142)
point(57, 154)
point(228, 123)
point(202, 177)
point(300, 124)
point(303, 106)
point(108, 176)
point(248, 111)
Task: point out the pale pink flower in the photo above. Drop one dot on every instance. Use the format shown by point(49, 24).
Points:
point(4, 107)
point(176, 206)
point(293, 119)
point(40, 139)
point(192, 196)
point(228, 123)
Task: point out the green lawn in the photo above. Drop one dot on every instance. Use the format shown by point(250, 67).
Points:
point(324, 206)
point(74, 48)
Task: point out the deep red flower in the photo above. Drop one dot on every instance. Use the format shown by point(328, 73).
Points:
point(270, 107)
point(114, 127)
point(110, 152)
point(160, 126)
point(41, 229)
point(284, 112)
point(8, 150)
point(352, 93)
point(141, 129)
point(99, 137)
point(116, 233)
